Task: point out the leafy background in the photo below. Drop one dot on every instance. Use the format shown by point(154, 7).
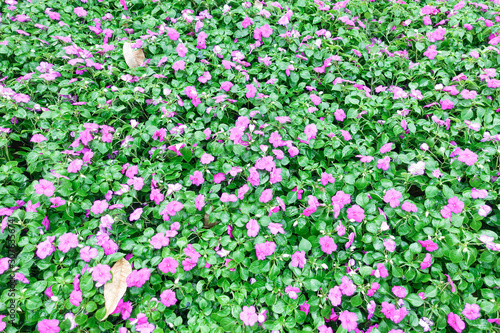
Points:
point(211, 299)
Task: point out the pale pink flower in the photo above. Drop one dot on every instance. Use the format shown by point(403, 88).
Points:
point(249, 316)
point(298, 259)
point(327, 244)
point(471, 311)
point(252, 228)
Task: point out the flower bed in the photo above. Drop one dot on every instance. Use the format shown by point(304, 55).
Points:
point(301, 166)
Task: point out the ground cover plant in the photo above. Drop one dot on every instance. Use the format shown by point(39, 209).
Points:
point(288, 166)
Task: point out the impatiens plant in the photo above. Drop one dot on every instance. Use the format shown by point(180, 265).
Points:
point(279, 166)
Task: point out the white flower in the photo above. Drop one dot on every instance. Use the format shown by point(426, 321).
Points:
point(417, 169)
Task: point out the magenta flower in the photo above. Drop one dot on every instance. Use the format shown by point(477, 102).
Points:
point(45, 187)
point(246, 22)
point(472, 311)
point(172, 34)
point(252, 228)
point(446, 104)
point(249, 316)
point(101, 274)
point(468, 157)
point(87, 253)
point(340, 115)
point(335, 296)
point(38, 138)
point(455, 205)
point(263, 250)
point(455, 322)
point(80, 12)
point(347, 287)
point(45, 248)
point(392, 198)
point(136, 214)
point(399, 291)
point(327, 244)
point(197, 178)
point(431, 52)
point(315, 99)
point(266, 196)
point(168, 298)
point(67, 241)
point(298, 259)
point(383, 163)
point(179, 65)
point(99, 206)
point(199, 201)
point(206, 159)
point(292, 292)
point(386, 148)
point(429, 245)
point(251, 91)
point(427, 262)
point(181, 50)
point(348, 320)
point(48, 326)
point(390, 245)
point(356, 213)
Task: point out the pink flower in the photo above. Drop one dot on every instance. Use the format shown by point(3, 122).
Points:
point(292, 292)
point(4, 264)
point(181, 50)
point(468, 94)
point(251, 91)
point(246, 22)
point(479, 194)
point(429, 245)
point(340, 115)
point(252, 228)
point(455, 205)
point(335, 296)
point(38, 138)
point(99, 206)
point(136, 214)
point(417, 169)
point(392, 198)
point(326, 179)
point(249, 316)
point(400, 292)
point(455, 322)
point(179, 65)
point(383, 163)
point(468, 157)
point(75, 166)
point(390, 245)
point(219, 178)
point(427, 262)
point(484, 210)
point(206, 159)
point(45, 187)
point(310, 131)
point(409, 207)
point(87, 253)
point(436, 35)
point(315, 99)
point(228, 198)
point(101, 274)
point(446, 212)
point(298, 259)
point(45, 248)
point(48, 326)
point(327, 244)
point(347, 287)
point(365, 159)
point(374, 287)
point(173, 34)
point(356, 213)
point(386, 148)
point(264, 249)
point(168, 298)
point(199, 201)
point(266, 196)
point(80, 12)
point(431, 52)
point(56, 202)
point(446, 104)
point(471, 311)
point(304, 307)
point(371, 309)
point(197, 178)
point(382, 271)
point(276, 228)
point(67, 241)
point(348, 320)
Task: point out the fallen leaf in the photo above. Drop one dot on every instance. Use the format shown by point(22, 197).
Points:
point(206, 222)
point(116, 288)
point(133, 58)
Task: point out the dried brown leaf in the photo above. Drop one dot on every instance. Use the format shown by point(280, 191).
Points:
point(133, 58)
point(116, 288)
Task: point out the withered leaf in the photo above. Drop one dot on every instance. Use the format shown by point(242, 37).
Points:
point(133, 58)
point(116, 288)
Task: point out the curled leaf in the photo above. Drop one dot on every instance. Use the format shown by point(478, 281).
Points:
point(133, 58)
point(116, 288)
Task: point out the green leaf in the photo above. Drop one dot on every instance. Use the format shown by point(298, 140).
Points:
point(186, 154)
point(414, 300)
point(456, 256)
point(279, 307)
point(312, 284)
point(305, 245)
